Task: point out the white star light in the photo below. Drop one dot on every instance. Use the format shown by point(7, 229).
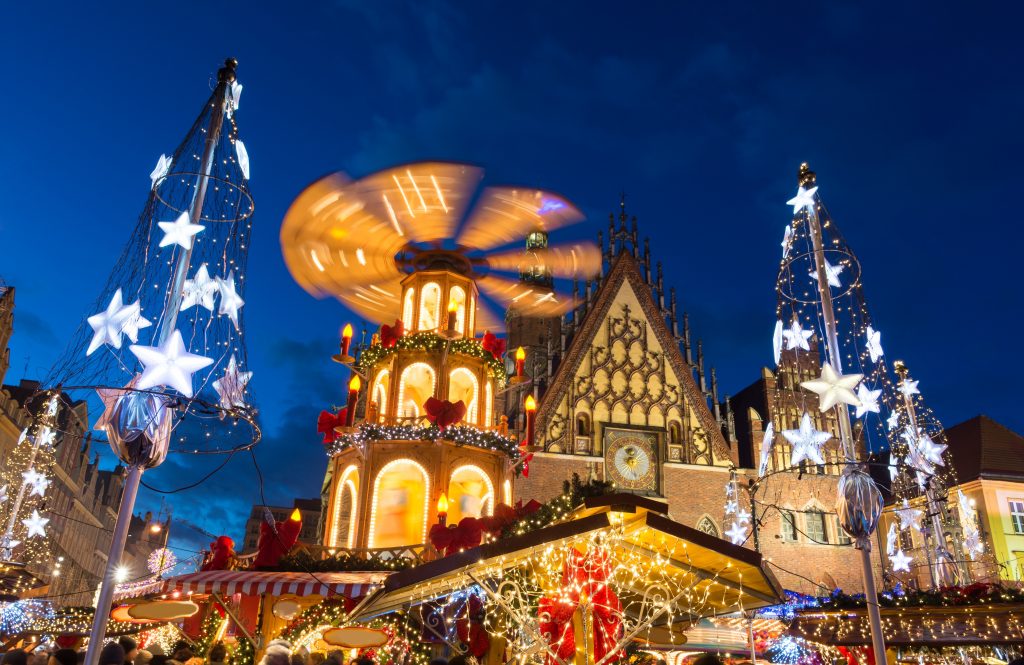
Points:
point(179, 232)
point(831, 274)
point(135, 322)
point(731, 507)
point(833, 388)
point(230, 301)
point(893, 471)
point(236, 94)
point(893, 421)
point(243, 158)
point(38, 482)
point(804, 199)
point(874, 344)
point(3, 494)
point(787, 242)
point(108, 324)
point(35, 524)
point(796, 337)
point(806, 441)
point(46, 437)
point(777, 341)
point(200, 290)
point(766, 447)
point(890, 540)
point(910, 518)
point(737, 534)
point(930, 450)
point(908, 387)
point(163, 166)
point(973, 543)
point(900, 562)
point(743, 517)
point(169, 365)
point(868, 400)
point(52, 406)
point(231, 387)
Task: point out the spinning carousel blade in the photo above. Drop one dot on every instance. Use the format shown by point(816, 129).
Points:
point(526, 299)
point(486, 319)
point(422, 202)
point(379, 303)
point(582, 259)
point(508, 214)
point(331, 241)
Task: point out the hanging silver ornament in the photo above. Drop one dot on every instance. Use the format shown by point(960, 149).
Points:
point(139, 428)
point(859, 505)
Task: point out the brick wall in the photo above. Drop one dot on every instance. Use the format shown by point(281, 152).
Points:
point(548, 472)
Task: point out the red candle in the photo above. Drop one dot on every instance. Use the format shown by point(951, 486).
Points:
point(442, 509)
point(353, 397)
point(346, 339)
point(531, 412)
point(520, 361)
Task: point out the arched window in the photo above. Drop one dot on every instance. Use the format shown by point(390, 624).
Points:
point(707, 525)
point(457, 296)
point(675, 433)
point(582, 424)
point(462, 384)
point(488, 404)
point(408, 308)
point(400, 512)
point(815, 524)
point(789, 526)
point(343, 525)
point(416, 385)
point(507, 492)
point(430, 306)
point(471, 307)
point(379, 394)
point(470, 493)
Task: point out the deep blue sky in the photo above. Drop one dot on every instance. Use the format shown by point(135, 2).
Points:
point(701, 112)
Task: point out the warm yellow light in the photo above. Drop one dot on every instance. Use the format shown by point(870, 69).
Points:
point(520, 354)
point(452, 305)
point(355, 383)
point(347, 331)
point(531, 404)
point(155, 528)
point(296, 516)
point(442, 504)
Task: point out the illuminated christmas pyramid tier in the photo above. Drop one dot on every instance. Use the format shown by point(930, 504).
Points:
point(418, 248)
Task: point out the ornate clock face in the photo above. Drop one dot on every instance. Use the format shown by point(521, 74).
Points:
point(631, 463)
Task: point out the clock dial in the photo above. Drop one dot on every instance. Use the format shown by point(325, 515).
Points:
point(631, 462)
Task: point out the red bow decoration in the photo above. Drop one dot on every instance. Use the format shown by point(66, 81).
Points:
point(272, 546)
point(493, 344)
point(389, 335)
point(327, 421)
point(505, 515)
point(451, 539)
point(444, 413)
point(524, 459)
point(222, 551)
point(584, 577)
point(471, 631)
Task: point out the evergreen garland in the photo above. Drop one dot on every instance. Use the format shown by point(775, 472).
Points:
point(460, 435)
point(975, 594)
point(301, 561)
point(574, 493)
point(244, 652)
point(428, 341)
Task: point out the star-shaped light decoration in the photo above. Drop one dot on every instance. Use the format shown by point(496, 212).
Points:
point(108, 324)
point(908, 387)
point(243, 158)
point(200, 290)
point(893, 421)
point(46, 437)
point(231, 387)
point(796, 337)
point(236, 94)
point(804, 199)
point(52, 406)
point(3, 494)
point(737, 534)
point(900, 562)
point(230, 301)
point(891, 540)
point(731, 507)
point(973, 543)
point(874, 344)
point(743, 517)
point(868, 400)
point(831, 274)
point(930, 450)
point(766, 447)
point(37, 481)
point(163, 166)
point(806, 441)
point(833, 388)
point(169, 365)
point(180, 232)
point(35, 524)
point(922, 453)
point(894, 470)
point(777, 338)
point(910, 517)
point(787, 241)
point(135, 322)
point(730, 489)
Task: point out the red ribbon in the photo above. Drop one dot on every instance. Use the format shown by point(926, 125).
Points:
point(583, 576)
point(327, 421)
point(524, 459)
point(450, 540)
point(444, 413)
point(389, 335)
point(493, 344)
point(505, 515)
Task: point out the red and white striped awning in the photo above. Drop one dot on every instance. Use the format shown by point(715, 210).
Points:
point(227, 582)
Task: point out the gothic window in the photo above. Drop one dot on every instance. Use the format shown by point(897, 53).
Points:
point(675, 433)
point(707, 525)
point(842, 537)
point(582, 424)
point(788, 526)
point(815, 526)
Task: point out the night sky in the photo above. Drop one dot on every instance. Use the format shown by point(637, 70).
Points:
point(701, 113)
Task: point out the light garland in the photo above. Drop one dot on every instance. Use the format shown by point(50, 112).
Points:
point(465, 435)
point(432, 342)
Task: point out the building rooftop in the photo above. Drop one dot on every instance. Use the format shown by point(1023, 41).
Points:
point(981, 447)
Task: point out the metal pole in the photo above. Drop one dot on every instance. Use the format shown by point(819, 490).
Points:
point(107, 585)
point(845, 430)
point(945, 571)
point(750, 632)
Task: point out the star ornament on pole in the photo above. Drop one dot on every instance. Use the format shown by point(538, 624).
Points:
point(868, 400)
point(108, 325)
point(736, 533)
point(777, 339)
point(199, 290)
point(180, 232)
point(806, 441)
point(900, 562)
point(833, 388)
point(37, 481)
point(169, 365)
point(910, 517)
point(874, 344)
point(163, 166)
point(230, 301)
point(36, 524)
point(766, 447)
point(231, 387)
point(796, 337)
point(831, 274)
point(804, 199)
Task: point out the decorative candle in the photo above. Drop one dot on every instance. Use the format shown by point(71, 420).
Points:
point(346, 339)
point(520, 361)
point(353, 397)
point(442, 509)
point(453, 309)
point(531, 412)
